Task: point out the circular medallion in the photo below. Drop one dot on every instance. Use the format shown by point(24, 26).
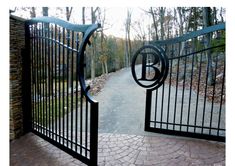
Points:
point(149, 66)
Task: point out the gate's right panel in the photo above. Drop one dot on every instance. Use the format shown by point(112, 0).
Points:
point(191, 102)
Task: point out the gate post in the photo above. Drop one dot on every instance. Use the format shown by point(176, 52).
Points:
point(26, 83)
point(94, 134)
point(148, 109)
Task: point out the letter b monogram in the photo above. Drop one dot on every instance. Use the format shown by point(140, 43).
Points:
point(154, 67)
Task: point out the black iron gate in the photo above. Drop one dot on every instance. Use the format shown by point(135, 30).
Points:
point(190, 100)
point(57, 102)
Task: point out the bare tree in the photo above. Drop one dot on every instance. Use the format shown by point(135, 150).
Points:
point(83, 15)
point(207, 22)
point(221, 14)
point(155, 24)
point(140, 31)
point(128, 40)
point(94, 49)
point(32, 12)
point(182, 21)
point(45, 11)
point(215, 19)
point(103, 57)
point(162, 19)
point(68, 12)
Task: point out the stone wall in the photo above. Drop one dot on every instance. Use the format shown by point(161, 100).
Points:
point(17, 43)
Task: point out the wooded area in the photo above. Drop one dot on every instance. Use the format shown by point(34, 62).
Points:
point(108, 53)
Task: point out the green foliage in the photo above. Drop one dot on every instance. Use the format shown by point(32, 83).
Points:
point(218, 40)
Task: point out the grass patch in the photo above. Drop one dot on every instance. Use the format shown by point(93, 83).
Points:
point(49, 110)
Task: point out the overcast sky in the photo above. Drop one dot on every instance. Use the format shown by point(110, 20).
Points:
point(115, 18)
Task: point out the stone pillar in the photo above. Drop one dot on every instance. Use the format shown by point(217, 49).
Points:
point(17, 43)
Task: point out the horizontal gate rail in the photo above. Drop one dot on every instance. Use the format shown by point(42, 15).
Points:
point(190, 35)
point(191, 101)
point(58, 106)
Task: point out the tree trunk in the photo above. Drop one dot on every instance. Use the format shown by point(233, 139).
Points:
point(103, 70)
point(68, 13)
point(126, 52)
point(182, 28)
point(162, 14)
point(154, 23)
point(130, 49)
point(221, 14)
point(45, 11)
point(106, 66)
point(32, 12)
point(215, 20)
point(128, 41)
point(207, 22)
point(93, 56)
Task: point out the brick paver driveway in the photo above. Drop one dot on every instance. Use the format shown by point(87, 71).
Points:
point(123, 150)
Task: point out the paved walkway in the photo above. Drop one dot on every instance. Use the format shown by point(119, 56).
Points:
point(123, 150)
point(121, 105)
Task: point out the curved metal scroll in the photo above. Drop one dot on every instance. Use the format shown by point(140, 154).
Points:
point(154, 59)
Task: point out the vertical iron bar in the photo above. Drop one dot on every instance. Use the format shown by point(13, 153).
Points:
point(44, 82)
point(72, 53)
point(190, 92)
point(67, 95)
point(63, 57)
point(176, 91)
point(155, 111)
point(76, 119)
point(56, 107)
point(213, 95)
point(33, 73)
point(39, 80)
point(198, 86)
point(148, 110)
point(163, 87)
point(46, 69)
point(81, 119)
point(38, 104)
point(205, 94)
point(169, 94)
point(182, 102)
point(43, 76)
point(52, 79)
point(59, 88)
point(221, 99)
point(35, 78)
point(49, 79)
point(86, 128)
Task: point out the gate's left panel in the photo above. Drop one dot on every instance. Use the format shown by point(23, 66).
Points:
point(60, 108)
